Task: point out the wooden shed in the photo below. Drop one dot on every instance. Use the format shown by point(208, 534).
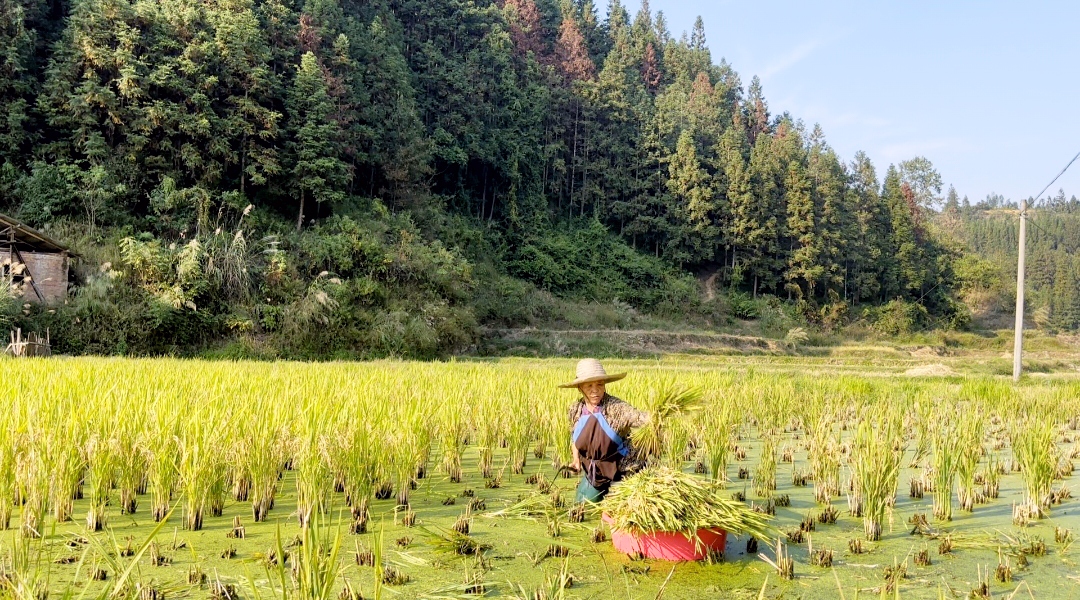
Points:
point(34, 264)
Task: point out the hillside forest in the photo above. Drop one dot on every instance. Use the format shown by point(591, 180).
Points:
point(324, 178)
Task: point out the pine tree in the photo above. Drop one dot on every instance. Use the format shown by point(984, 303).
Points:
point(906, 233)
point(767, 179)
point(319, 172)
point(804, 269)
point(832, 224)
point(700, 58)
point(869, 256)
point(749, 231)
point(248, 90)
point(571, 55)
point(692, 191)
point(526, 29)
point(16, 81)
point(757, 117)
point(393, 156)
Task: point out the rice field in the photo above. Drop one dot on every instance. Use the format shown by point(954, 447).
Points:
point(165, 478)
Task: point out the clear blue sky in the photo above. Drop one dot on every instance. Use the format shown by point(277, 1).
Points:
point(988, 91)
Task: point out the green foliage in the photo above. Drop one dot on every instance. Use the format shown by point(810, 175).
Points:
point(319, 173)
point(588, 263)
point(447, 165)
point(898, 318)
point(976, 274)
point(742, 306)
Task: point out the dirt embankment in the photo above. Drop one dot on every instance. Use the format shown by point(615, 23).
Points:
point(626, 342)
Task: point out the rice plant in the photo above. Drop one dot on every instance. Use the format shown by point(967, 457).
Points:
point(362, 453)
point(311, 462)
point(520, 433)
point(9, 449)
point(876, 466)
point(131, 458)
point(102, 458)
point(487, 424)
point(665, 434)
point(32, 480)
point(1033, 447)
point(164, 454)
point(765, 474)
point(198, 466)
point(970, 434)
point(717, 438)
point(824, 457)
point(947, 445)
point(63, 441)
point(452, 436)
point(262, 459)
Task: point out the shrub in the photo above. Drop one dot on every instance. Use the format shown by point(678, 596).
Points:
point(898, 317)
point(744, 307)
point(588, 263)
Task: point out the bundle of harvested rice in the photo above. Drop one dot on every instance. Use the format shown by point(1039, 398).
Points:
point(659, 499)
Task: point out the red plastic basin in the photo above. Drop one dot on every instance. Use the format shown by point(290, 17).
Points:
point(666, 545)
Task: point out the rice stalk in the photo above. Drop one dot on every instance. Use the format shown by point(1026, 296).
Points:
point(876, 467)
point(1033, 447)
point(970, 433)
point(662, 499)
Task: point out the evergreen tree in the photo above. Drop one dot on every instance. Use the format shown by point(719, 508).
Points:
point(869, 258)
point(16, 80)
point(526, 29)
point(757, 111)
point(803, 268)
point(319, 172)
point(392, 155)
point(692, 191)
point(906, 232)
point(767, 213)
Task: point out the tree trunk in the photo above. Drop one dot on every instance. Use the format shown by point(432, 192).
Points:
point(584, 175)
point(573, 163)
point(243, 163)
point(300, 217)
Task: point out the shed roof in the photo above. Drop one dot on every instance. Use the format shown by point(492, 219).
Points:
point(28, 236)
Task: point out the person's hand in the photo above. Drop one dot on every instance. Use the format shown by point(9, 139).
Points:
point(575, 465)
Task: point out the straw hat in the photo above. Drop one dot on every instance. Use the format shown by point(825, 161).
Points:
point(589, 370)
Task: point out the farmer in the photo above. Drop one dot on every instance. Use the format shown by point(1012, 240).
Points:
point(601, 440)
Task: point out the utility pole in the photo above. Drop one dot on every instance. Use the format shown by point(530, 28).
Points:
point(1018, 344)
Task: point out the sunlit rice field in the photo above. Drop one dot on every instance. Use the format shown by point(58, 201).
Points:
point(167, 478)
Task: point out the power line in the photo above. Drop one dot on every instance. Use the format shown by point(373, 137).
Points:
point(1056, 178)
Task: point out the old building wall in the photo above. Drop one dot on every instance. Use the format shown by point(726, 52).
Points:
point(50, 274)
